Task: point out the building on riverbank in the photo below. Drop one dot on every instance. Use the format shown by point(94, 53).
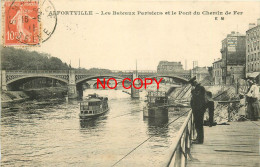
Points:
point(173, 68)
point(200, 73)
point(217, 72)
point(253, 50)
point(166, 66)
point(233, 53)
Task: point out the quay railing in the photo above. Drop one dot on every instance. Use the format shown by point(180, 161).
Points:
point(230, 106)
point(182, 144)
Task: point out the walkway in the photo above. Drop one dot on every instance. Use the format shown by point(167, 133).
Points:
point(237, 144)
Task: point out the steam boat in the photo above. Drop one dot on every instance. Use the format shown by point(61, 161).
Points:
point(93, 106)
point(157, 105)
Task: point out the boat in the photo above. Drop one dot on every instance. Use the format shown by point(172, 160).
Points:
point(157, 105)
point(93, 106)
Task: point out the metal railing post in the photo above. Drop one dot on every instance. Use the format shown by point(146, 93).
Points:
point(178, 156)
point(181, 148)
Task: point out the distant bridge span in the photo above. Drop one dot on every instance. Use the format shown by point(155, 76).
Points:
point(75, 78)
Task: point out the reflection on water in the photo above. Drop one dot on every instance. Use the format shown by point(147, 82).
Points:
point(93, 122)
point(159, 122)
point(158, 126)
point(54, 135)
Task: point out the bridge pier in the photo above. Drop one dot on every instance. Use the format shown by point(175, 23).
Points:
point(72, 92)
point(72, 89)
point(80, 90)
point(3, 80)
point(134, 92)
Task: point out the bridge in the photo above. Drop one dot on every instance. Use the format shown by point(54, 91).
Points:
point(75, 79)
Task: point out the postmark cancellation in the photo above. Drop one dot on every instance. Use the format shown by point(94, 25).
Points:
point(23, 22)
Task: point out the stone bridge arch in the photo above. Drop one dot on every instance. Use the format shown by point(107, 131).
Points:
point(13, 77)
point(36, 76)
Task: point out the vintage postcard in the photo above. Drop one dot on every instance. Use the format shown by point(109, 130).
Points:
point(130, 83)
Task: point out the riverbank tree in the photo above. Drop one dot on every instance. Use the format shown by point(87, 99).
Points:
point(21, 59)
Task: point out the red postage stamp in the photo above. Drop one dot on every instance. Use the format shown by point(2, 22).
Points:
point(21, 23)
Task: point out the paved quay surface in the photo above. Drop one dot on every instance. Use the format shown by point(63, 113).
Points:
point(236, 144)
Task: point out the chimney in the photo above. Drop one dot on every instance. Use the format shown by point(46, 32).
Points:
point(233, 32)
point(251, 25)
point(258, 21)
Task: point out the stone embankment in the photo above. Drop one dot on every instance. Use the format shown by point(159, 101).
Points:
point(221, 96)
point(9, 98)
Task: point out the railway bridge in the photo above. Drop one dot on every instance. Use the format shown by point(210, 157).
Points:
point(74, 79)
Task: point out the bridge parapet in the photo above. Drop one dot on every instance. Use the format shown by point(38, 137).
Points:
point(101, 73)
point(120, 71)
point(114, 72)
point(37, 71)
point(133, 71)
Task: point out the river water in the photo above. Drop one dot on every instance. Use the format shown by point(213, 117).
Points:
point(53, 135)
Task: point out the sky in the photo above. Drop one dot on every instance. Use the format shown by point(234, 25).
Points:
point(116, 42)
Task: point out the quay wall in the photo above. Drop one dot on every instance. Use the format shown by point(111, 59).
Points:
point(10, 97)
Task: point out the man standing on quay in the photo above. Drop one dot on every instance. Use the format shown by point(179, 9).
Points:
point(198, 106)
point(253, 104)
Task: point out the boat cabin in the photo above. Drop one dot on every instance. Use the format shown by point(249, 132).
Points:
point(157, 98)
point(93, 104)
point(157, 105)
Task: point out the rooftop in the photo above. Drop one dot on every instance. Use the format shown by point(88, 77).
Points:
point(92, 100)
point(235, 34)
point(169, 63)
point(253, 26)
point(216, 61)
